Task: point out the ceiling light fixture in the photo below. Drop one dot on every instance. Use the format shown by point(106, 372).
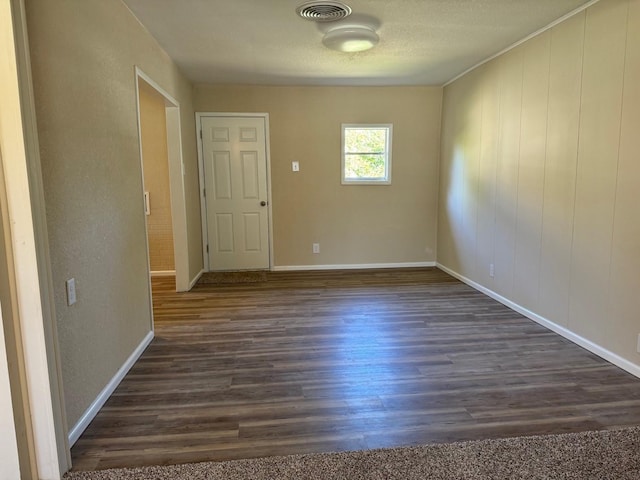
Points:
point(356, 34)
point(350, 38)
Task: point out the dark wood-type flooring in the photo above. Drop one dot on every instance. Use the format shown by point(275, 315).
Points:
point(331, 361)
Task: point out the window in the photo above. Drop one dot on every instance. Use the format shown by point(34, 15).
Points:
point(366, 154)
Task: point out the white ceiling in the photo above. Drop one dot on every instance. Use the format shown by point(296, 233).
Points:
point(422, 42)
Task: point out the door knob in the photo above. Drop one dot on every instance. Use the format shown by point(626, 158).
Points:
point(263, 203)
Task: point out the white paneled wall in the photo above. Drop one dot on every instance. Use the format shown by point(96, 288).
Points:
point(598, 145)
point(561, 154)
point(530, 167)
point(624, 264)
point(540, 176)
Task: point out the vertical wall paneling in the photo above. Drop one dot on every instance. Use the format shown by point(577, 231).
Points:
point(557, 178)
point(486, 192)
point(533, 138)
point(603, 71)
point(624, 301)
point(468, 181)
point(511, 70)
point(448, 170)
point(563, 120)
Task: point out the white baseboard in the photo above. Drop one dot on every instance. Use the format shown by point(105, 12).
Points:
point(360, 266)
point(106, 392)
point(195, 280)
point(602, 352)
point(163, 273)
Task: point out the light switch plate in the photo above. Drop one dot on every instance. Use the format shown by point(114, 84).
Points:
point(71, 291)
point(295, 166)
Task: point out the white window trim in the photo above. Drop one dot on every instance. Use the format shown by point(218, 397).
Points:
point(388, 150)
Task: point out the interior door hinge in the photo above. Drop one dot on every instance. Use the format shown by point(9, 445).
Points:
point(204, 192)
point(200, 134)
point(207, 248)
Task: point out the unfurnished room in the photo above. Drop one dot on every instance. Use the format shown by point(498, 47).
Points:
point(349, 239)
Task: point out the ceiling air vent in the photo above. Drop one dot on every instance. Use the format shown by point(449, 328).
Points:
point(323, 11)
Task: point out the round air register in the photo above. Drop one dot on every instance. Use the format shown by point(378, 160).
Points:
point(323, 11)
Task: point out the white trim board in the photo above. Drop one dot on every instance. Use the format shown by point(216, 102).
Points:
point(602, 352)
point(359, 266)
point(45, 448)
point(163, 273)
point(9, 454)
point(195, 280)
point(106, 392)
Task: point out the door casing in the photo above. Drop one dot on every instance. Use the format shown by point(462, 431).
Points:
point(176, 181)
point(203, 205)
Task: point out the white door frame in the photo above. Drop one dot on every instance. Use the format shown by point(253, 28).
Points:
point(203, 204)
point(30, 274)
point(176, 181)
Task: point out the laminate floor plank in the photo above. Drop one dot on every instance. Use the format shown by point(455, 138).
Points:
point(341, 360)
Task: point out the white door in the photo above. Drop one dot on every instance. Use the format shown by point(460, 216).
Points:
point(235, 170)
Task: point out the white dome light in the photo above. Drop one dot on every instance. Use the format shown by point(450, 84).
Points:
point(350, 38)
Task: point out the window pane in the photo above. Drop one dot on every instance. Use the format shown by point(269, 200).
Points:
point(366, 154)
point(364, 166)
point(365, 140)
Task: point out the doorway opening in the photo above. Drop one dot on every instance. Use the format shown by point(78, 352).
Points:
point(163, 177)
point(155, 171)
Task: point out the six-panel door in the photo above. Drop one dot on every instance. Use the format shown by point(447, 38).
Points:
point(235, 170)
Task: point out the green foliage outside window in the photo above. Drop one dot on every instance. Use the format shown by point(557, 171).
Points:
point(364, 153)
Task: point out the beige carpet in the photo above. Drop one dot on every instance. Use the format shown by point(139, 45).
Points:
point(590, 455)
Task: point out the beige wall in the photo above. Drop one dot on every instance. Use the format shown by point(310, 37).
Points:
point(153, 132)
point(540, 176)
point(83, 58)
point(353, 224)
